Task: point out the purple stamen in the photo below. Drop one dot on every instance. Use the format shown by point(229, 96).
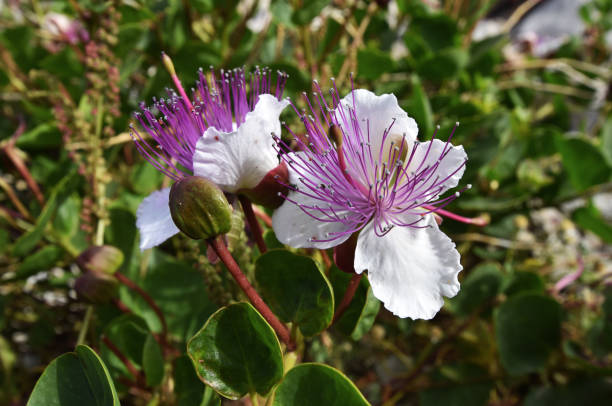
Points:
point(345, 179)
point(220, 100)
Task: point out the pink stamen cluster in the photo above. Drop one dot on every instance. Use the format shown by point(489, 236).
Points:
point(347, 180)
point(221, 101)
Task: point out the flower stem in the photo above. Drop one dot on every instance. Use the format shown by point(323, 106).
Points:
point(348, 296)
point(225, 256)
point(128, 364)
point(254, 225)
point(133, 286)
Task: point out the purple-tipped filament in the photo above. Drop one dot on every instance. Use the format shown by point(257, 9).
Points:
point(347, 174)
point(220, 100)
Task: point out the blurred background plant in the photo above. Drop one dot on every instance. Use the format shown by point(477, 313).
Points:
point(528, 80)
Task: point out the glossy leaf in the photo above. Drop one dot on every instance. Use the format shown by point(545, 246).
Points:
point(76, 378)
point(296, 290)
point(314, 384)
point(237, 352)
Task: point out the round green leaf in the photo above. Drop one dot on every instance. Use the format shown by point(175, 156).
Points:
point(75, 378)
point(527, 328)
point(296, 290)
point(359, 317)
point(314, 384)
point(237, 352)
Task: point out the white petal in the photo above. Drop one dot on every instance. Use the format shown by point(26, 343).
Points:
point(153, 219)
point(377, 113)
point(409, 269)
point(241, 158)
point(295, 228)
point(450, 168)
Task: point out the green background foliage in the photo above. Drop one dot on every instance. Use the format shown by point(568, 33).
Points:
point(538, 134)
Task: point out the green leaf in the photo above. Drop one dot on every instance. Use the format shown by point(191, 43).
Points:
point(179, 291)
point(152, 361)
point(438, 30)
point(590, 219)
point(41, 260)
point(600, 335)
point(129, 333)
point(296, 290)
point(593, 391)
point(28, 241)
point(314, 384)
point(606, 140)
point(443, 65)
point(519, 282)
point(583, 162)
point(373, 63)
point(359, 317)
point(188, 389)
point(237, 352)
point(303, 15)
point(527, 329)
point(420, 108)
point(145, 178)
point(66, 221)
point(481, 285)
point(76, 378)
point(45, 135)
point(457, 385)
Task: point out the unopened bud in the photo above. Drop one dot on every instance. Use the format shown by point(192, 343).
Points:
point(96, 287)
point(199, 208)
point(103, 259)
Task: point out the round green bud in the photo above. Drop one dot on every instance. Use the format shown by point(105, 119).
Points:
point(104, 259)
point(96, 287)
point(199, 208)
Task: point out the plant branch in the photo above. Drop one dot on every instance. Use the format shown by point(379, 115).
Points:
point(348, 295)
point(128, 364)
point(133, 286)
point(222, 252)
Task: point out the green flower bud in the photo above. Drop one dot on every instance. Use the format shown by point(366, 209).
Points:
point(96, 287)
point(199, 208)
point(103, 259)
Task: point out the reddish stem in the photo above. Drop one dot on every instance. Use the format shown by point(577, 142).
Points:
point(130, 284)
point(128, 364)
point(348, 296)
point(262, 216)
point(254, 225)
point(326, 260)
point(121, 306)
point(25, 173)
point(281, 330)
